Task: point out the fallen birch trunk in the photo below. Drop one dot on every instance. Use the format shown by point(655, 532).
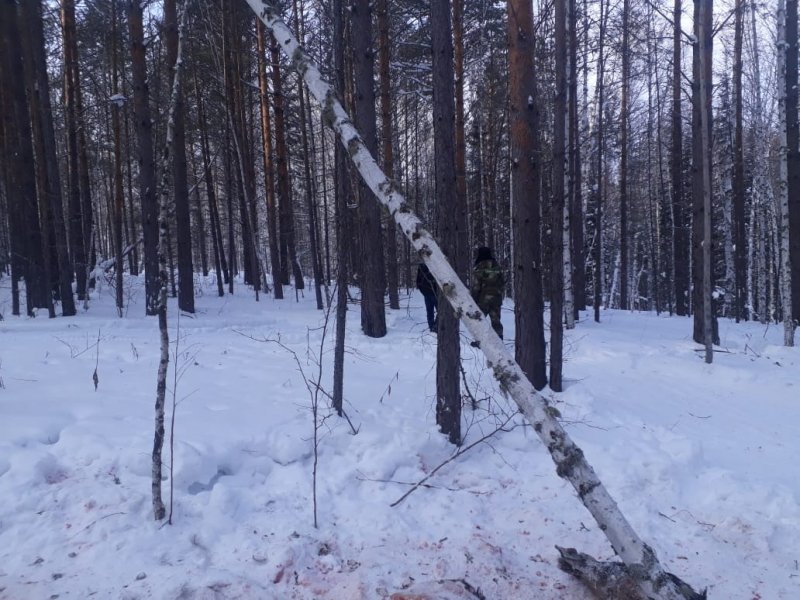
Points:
point(638, 557)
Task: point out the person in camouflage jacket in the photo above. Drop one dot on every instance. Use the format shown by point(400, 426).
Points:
point(487, 287)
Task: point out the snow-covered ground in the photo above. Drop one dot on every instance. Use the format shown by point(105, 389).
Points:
point(701, 458)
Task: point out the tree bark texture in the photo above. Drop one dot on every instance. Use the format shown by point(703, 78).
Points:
point(558, 204)
point(146, 159)
point(448, 348)
point(266, 142)
point(680, 214)
point(388, 152)
point(373, 280)
point(793, 153)
point(525, 183)
point(54, 202)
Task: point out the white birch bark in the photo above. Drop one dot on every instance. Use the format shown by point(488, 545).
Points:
point(783, 185)
point(727, 212)
point(159, 510)
point(569, 301)
point(570, 461)
point(612, 293)
point(761, 261)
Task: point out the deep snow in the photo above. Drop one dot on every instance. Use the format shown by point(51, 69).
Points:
point(701, 458)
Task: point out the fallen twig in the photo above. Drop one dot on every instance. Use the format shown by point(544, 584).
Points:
point(460, 451)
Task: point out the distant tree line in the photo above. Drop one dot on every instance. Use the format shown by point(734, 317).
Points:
point(615, 155)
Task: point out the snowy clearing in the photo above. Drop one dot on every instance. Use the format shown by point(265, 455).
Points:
point(699, 457)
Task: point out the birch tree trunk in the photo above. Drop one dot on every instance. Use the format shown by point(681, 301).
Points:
point(570, 461)
point(159, 510)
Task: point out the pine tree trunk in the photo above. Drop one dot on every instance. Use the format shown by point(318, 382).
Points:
point(28, 243)
point(623, 163)
point(793, 155)
point(387, 135)
point(525, 178)
point(266, 142)
point(558, 205)
point(448, 355)
point(220, 265)
point(597, 192)
point(739, 240)
point(373, 280)
point(26, 21)
point(288, 251)
point(53, 198)
point(147, 171)
point(119, 207)
point(576, 170)
point(71, 84)
point(342, 192)
point(681, 222)
point(783, 188)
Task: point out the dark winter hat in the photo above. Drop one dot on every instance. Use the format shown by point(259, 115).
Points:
point(483, 253)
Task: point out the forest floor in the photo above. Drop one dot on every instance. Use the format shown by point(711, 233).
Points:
point(702, 459)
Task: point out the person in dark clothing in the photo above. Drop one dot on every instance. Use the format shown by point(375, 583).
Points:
point(430, 291)
point(488, 283)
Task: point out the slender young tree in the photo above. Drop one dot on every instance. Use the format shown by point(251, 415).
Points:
point(117, 104)
point(183, 232)
point(288, 250)
point(599, 174)
point(575, 171)
point(680, 218)
point(793, 153)
point(623, 161)
point(342, 193)
point(387, 138)
point(78, 243)
point(305, 123)
point(266, 142)
point(783, 48)
point(558, 205)
point(739, 242)
point(525, 176)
